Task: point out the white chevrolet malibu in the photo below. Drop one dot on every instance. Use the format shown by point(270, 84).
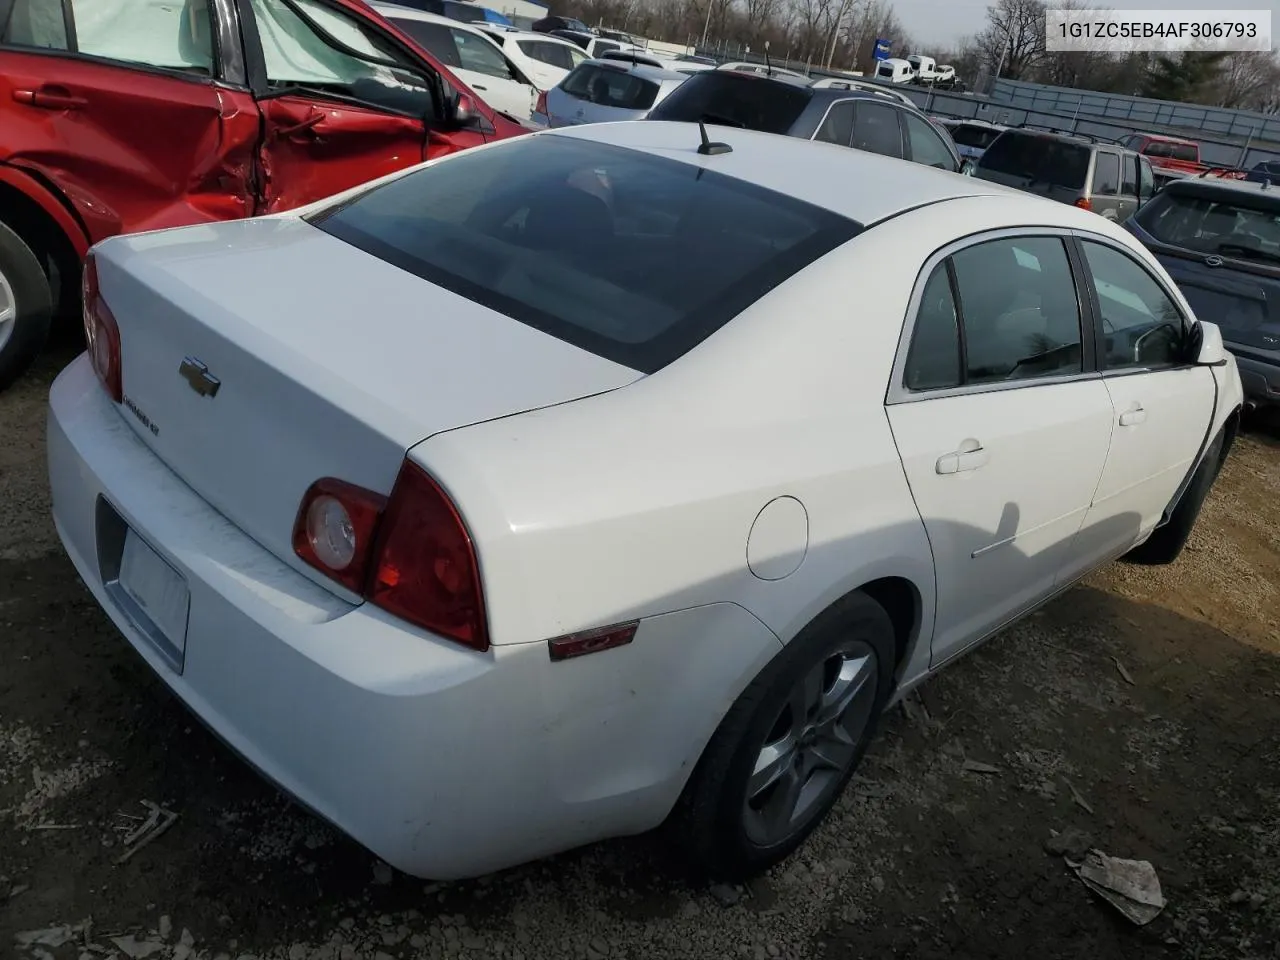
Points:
point(603, 477)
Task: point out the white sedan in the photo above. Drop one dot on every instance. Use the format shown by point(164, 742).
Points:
point(561, 486)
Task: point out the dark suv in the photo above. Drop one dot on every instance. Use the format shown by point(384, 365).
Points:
point(860, 119)
point(1220, 241)
point(1092, 174)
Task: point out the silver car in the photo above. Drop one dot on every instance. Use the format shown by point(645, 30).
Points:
point(600, 91)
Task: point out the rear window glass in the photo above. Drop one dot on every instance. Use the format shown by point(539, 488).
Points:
point(610, 88)
point(735, 99)
point(967, 136)
point(1227, 226)
point(1175, 151)
point(1040, 159)
point(634, 257)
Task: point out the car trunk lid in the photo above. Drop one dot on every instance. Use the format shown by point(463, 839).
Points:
point(327, 362)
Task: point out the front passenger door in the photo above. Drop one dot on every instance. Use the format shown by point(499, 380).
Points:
point(332, 120)
point(1162, 405)
point(1001, 426)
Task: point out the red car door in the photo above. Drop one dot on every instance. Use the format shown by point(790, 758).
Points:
point(344, 99)
point(127, 110)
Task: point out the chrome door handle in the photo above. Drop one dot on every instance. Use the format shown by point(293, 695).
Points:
point(962, 461)
point(1131, 418)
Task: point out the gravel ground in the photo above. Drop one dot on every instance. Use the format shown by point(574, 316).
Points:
point(1141, 710)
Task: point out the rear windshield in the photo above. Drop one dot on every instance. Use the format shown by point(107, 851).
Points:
point(634, 257)
point(1175, 151)
point(735, 99)
point(1040, 159)
point(1238, 227)
point(610, 88)
point(968, 136)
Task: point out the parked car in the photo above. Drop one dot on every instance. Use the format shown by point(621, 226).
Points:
point(844, 83)
point(1220, 242)
point(544, 59)
point(1108, 179)
point(589, 43)
point(471, 54)
point(548, 24)
point(1171, 155)
point(971, 137)
point(157, 115)
point(466, 11)
point(780, 104)
point(626, 39)
point(511, 640)
point(602, 91)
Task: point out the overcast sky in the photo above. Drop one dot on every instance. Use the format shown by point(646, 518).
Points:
point(941, 23)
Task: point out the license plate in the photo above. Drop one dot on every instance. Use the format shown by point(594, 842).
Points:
point(159, 591)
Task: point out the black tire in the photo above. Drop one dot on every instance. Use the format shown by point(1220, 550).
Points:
point(30, 290)
point(1166, 543)
point(713, 822)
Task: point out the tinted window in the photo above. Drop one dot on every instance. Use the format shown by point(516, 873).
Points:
point(969, 136)
point(610, 88)
point(1129, 184)
point(1236, 225)
point(927, 145)
point(876, 129)
point(479, 55)
point(1044, 159)
point(1106, 174)
point(933, 361)
point(555, 54)
point(735, 99)
point(1174, 151)
point(1141, 326)
point(1019, 309)
point(603, 46)
point(837, 125)
point(175, 36)
point(298, 52)
point(466, 12)
point(634, 257)
point(433, 37)
point(1146, 179)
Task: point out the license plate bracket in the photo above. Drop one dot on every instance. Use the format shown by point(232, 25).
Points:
point(148, 590)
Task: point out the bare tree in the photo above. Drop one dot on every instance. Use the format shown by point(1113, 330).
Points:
point(1013, 41)
point(1246, 81)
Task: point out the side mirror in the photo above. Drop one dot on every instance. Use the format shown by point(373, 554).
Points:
point(1205, 347)
point(464, 110)
point(968, 168)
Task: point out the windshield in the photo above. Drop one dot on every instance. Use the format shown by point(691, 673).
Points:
point(610, 88)
point(969, 136)
point(735, 99)
point(1240, 227)
point(634, 257)
point(1174, 151)
point(1037, 159)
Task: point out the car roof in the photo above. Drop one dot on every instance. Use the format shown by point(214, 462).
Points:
point(645, 70)
point(862, 186)
point(1220, 186)
point(534, 35)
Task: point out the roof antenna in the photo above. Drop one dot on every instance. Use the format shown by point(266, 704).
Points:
point(709, 149)
point(768, 64)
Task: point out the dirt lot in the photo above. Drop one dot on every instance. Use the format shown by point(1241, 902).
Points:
point(1181, 767)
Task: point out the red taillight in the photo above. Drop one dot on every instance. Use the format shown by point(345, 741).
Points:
point(101, 333)
point(335, 529)
point(541, 105)
point(410, 554)
point(1084, 203)
point(426, 569)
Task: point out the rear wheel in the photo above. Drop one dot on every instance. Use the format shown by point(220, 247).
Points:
point(1166, 543)
point(25, 307)
point(789, 744)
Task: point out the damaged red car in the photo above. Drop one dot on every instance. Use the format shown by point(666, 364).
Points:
point(118, 116)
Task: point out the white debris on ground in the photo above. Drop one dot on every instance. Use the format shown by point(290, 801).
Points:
point(19, 750)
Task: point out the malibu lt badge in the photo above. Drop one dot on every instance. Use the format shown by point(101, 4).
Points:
point(199, 378)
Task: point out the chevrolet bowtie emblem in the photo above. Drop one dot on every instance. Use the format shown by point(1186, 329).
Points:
point(199, 378)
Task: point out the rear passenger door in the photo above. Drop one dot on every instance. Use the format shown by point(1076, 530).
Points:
point(1128, 204)
point(876, 129)
point(1104, 189)
point(1001, 423)
point(925, 145)
point(1162, 405)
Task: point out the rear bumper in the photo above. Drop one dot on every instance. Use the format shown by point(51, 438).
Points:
point(445, 762)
